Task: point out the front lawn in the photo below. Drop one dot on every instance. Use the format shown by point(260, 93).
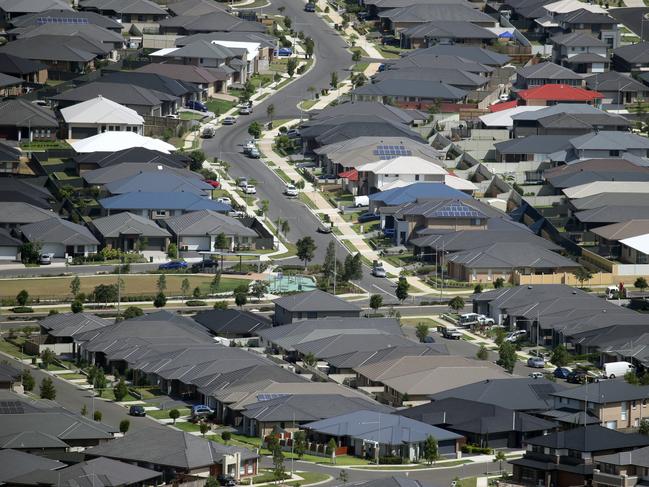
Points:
point(164, 413)
point(190, 116)
point(11, 349)
point(110, 395)
point(71, 376)
point(219, 106)
point(188, 427)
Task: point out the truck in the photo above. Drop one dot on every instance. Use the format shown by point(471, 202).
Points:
point(451, 333)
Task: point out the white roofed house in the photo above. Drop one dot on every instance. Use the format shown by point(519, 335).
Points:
point(99, 115)
point(635, 250)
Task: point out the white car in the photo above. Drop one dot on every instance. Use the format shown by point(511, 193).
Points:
point(515, 335)
point(243, 183)
point(225, 200)
point(290, 190)
point(250, 189)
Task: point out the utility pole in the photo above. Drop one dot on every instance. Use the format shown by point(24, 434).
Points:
point(335, 266)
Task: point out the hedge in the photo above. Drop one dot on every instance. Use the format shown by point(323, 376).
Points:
point(477, 449)
point(195, 302)
point(23, 309)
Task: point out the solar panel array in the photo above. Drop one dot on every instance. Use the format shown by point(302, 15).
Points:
point(269, 396)
point(391, 151)
point(11, 407)
point(62, 20)
point(457, 211)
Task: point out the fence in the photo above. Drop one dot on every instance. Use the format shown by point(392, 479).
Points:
point(160, 126)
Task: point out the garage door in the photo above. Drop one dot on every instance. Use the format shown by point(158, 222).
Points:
point(83, 132)
point(195, 243)
point(156, 244)
point(8, 253)
point(58, 250)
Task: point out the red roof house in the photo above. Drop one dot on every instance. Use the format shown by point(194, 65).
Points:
point(547, 95)
point(504, 105)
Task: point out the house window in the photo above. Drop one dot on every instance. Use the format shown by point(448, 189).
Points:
point(416, 177)
point(624, 410)
point(633, 404)
point(614, 153)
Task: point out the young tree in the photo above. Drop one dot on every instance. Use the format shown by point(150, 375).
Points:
point(376, 301)
point(507, 356)
point(97, 415)
point(212, 482)
point(343, 477)
point(124, 425)
point(329, 264)
point(279, 472)
point(582, 275)
point(291, 66)
point(477, 289)
point(254, 130)
point(500, 458)
point(299, 443)
point(221, 241)
point(499, 282)
point(641, 283)
point(162, 283)
point(305, 249)
point(216, 282)
point(482, 353)
point(240, 299)
point(100, 381)
point(105, 293)
point(259, 288)
point(456, 304)
point(30, 252)
point(184, 287)
point(47, 357)
point(226, 436)
point(331, 448)
point(402, 289)
point(75, 286)
point(333, 80)
point(28, 381)
point(309, 359)
point(174, 414)
point(84, 410)
point(221, 305)
point(560, 356)
point(309, 47)
point(196, 293)
point(644, 427)
point(76, 306)
point(172, 251)
point(431, 449)
point(285, 227)
point(120, 390)
point(132, 312)
point(264, 205)
point(356, 55)
point(421, 331)
point(48, 391)
point(204, 428)
point(22, 298)
point(353, 267)
point(160, 300)
point(270, 111)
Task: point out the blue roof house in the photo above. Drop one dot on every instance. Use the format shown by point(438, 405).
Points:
point(160, 206)
point(369, 434)
point(414, 192)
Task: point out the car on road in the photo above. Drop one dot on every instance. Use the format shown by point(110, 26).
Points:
point(243, 182)
point(201, 411)
point(254, 153)
point(247, 110)
point(250, 189)
point(45, 259)
point(229, 120)
point(173, 265)
point(368, 216)
point(204, 264)
point(378, 270)
point(561, 373)
point(138, 411)
point(536, 362)
point(248, 146)
point(290, 190)
point(225, 200)
point(213, 183)
point(196, 105)
point(309, 7)
point(326, 228)
point(208, 132)
point(578, 377)
point(535, 375)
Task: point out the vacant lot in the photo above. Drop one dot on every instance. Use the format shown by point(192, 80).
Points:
point(134, 285)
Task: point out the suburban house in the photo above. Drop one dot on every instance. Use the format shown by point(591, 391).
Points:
point(10, 85)
point(9, 376)
point(208, 81)
point(110, 161)
point(17, 463)
point(399, 171)
point(419, 94)
point(160, 206)
point(551, 94)
point(129, 232)
point(20, 120)
point(127, 11)
point(373, 434)
point(546, 73)
point(628, 468)
point(581, 52)
point(98, 115)
point(618, 88)
point(200, 230)
point(159, 181)
point(631, 58)
point(16, 213)
point(11, 9)
point(10, 159)
point(24, 190)
point(216, 21)
point(61, 333)
point(312, 305)
point(123, 172)
point(601, 25)
point(445, 32)
point(120, 141)
point(232, 323)
point(60, 238)
point(9, 246)
point(26, 69)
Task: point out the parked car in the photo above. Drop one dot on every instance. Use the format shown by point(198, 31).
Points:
point(561, 373)
point(224, 200)
point(451, 333)
point(248, 146)
point(363, 15)
point(226, 480)
point(536, 362)
point(138, 411)
point(578, 377)
point(378, 270)
point(247, 110)
point(208, 132)
point(173, 265)
point(309, 7)
point(243, 182)
point(229, 120)
point(360, 201)
point(250, 189)
point(535, 375)
point(368, 217)
point(41, 103)
point(205, 264)
point(196, 105)
point(429, 339)
point(290, 190)
point(284, 52)
point(293, 133)
point(213, 183)
point(201, 411)
point(254, 153)
point(514, 336)
point(173, 116)
point(45, 259)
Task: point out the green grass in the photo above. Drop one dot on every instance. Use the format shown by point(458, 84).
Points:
point(11, 349)
point(261, 80)
point(432, 324)
point(187, 426)
point(387, 53)
point(308, 104)
point(360, 67)
point(164, 413)
point(190, 116)
point(71, 376)
point(219, 106)
point(283, 175)
point(418, 466)
point(467, 482)
point(44, 145)
point(309, 478)
point(306, 200)
point(108, 394)
point(149, 392)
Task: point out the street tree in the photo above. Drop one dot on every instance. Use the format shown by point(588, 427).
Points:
point(30, 252)
point(329, 263)
point(240, 299)
point(641, 283)
point(560, 356)
point(356, 55)
point(421, 331)
point(184, 288)
point(216, 282)
point(132, 312)
point(162, 283)
point(124, 426)
point(204, 428)
point(120, 390)
point(75, 286)
point(97, 415)
point(582, 275)
point(331, 447)
point(174, 414)
point(270, 111)
point(100, 381)
point(226, 436)
point(254, 129)
point(22, 298)
point(507, 356)
point(259, 289)
point(353, 267)
point(48, 391)
point(500, 458)
point(76, 306)
point(264, 205)
point(279, 472)
point(309, 47)
point(47, 357)
point(285, 228)
point(376, 301)
point(482, 353)
point(402, 289)
point(160, 300)
point(305, 249)
point(28, 381)
point(431, 449)
point(291, 66)
point(299, 443)
point(333, 81)
point(456, 304)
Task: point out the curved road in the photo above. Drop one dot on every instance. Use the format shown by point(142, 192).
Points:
point(331, 55)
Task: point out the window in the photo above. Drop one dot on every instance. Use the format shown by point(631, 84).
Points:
point(416, 177)
point(624, 410)
point(633, 404)
point(614, 153)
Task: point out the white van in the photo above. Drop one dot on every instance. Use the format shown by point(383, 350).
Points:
point(360, 201)
point(617, 369)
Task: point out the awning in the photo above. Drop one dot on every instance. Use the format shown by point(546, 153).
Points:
point(350, 175)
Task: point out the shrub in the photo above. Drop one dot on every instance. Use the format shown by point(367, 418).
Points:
point(22, 309)
point(390, 460)
point(195, 302)
point(477, 450)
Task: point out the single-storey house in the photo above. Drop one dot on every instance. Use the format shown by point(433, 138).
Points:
point(310, 305)
point(99, 115)
point(128, 232)
point(60, 238)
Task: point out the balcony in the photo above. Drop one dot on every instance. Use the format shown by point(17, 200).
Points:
point(614, 479)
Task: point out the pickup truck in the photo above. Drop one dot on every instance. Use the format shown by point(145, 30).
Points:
point(451, 333)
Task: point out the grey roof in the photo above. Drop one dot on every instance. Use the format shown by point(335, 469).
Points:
point(447, 208)
point(586, 57)
point(7, 240)
point(605, 391)
point(167, 447)
point(125, 6)
point(193, 7)
point(581, 110)
point(331, 346)
point(72, 324)
point(162, 201)
point(151, 81)
point(212, 22)
point(232, 321)
point(583, 16)
point(359, 358)
point(578, 39)
point(309, 407)
point(548, 70)
point(29, 6)
point(610, 140)
point(288, 336)
point(622, 230)
point(51, 16)
point(183, 72)
point(471, 53)
point(461, 29)
point(315, 300)
point(18, 212)
point(412, 88)
point(135, 154)
point(18, 66)
point(213, 384)
point(591, 438)
point(99, 472)
point(202, 49)
point(634, 53)
point(125, 170)
point(534, 144)
point(20, 113)
point(57, 230)
point(126, 223)
point(121, 93)
point(467, 416)
point(88, 31)
point(419, 13)
point(57, 48)
point(28, 190)
point(638, 457)
point(8, 373)
point(432, 60)
point(453, 77)
point(7, 80)
point(520, 394)
point(390, 430)
point(365, 108)
point(611, 214)
point(472, 239)
point(159, 182)
point(614, 81)
point(16, 463)
point(265, 40)
point(577, 179)
point(208, 222)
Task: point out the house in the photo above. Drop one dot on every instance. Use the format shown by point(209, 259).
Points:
point(409, 93)
point(546, 73)
point(140, 100)
point(468, 58)
point(601, 25)
point(160, 181)
point(352, 341)
point(24, 190)
point(463, 80)
point(580, 51)
point(125, 171)
point(288, 413)
point(99, 472)
point(11, 9)
point(618, 88)
point(120, 141)
point(9, 246)
point(193, 8)
point(217, 21)
point(60, 238)
point(372, 434)
point(110, 163)
point(129, 232)
point(200, 230)
point(9, 376)
point(208, 81)
point(533, 148)
point(610, 144)
point(61, 16)
point(179, 91)
point(411, 193)
point(20, 120)
point(61, 333)
point(410, 380)
point(375, 6)
point(486, 425)
point(160, 205)
point(551, 94)
point(232, 323)
point(99, 115)
point(345, 363)
point(312, 305)
point(445, 32)
point(127, 11)
point(177, 454)
point(566, 458)
point(608, 237)
point(10, 159)
point(629, 467)
point(631, 58)
point(16, 463)
point(26, 69)
point(402, 170)
point(10, 85)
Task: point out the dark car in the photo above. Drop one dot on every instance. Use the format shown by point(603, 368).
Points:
point(309, 7)
point(196, 105)
point(561, 373)
point(205, 264)
point(173, 265)
point(368, 216)
point(137, 411)
point(226, 480)
point(577, 377)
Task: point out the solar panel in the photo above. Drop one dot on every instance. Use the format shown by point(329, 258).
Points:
point(62, 20)
point(269, 396)
point(11, 407)
point(391, 151)
point(457, 211)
